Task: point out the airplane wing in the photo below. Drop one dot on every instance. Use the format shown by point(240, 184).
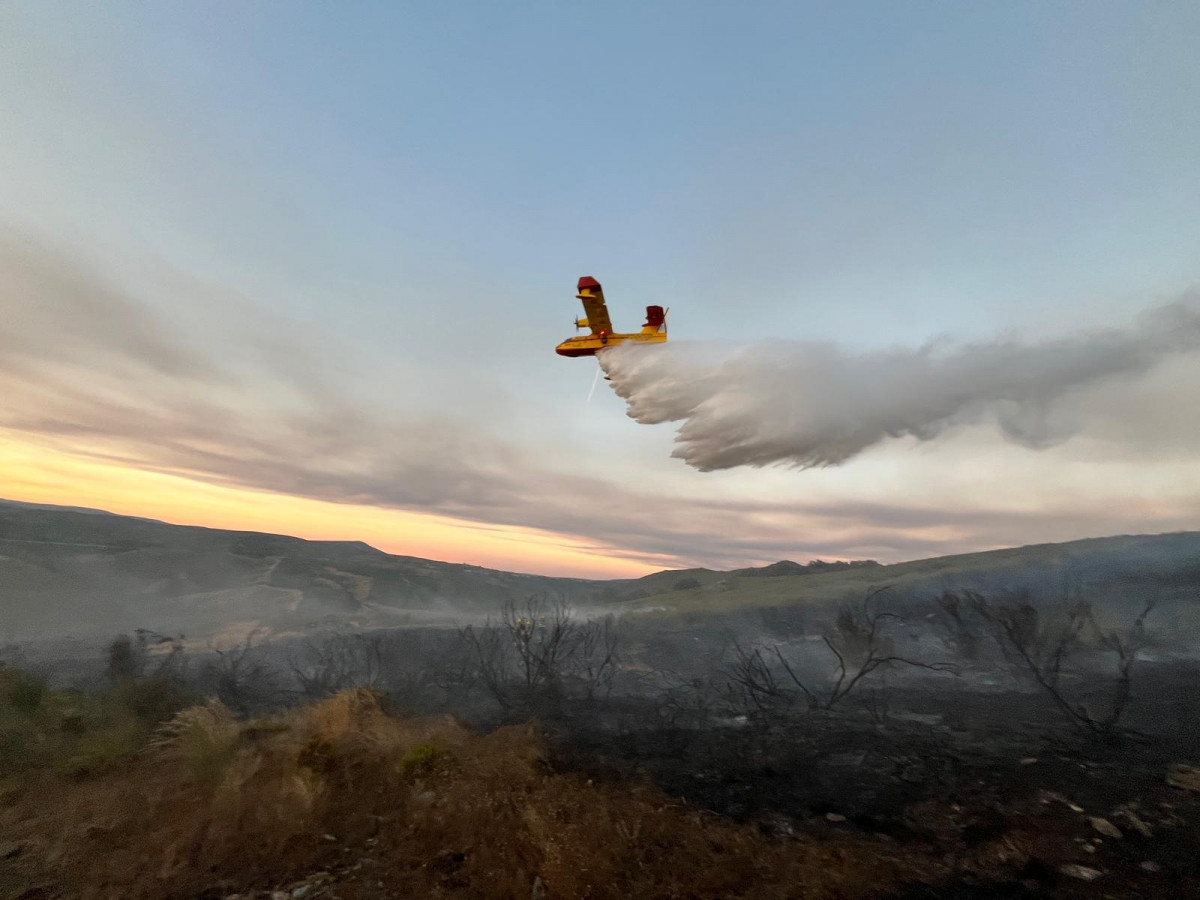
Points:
point(592, 296)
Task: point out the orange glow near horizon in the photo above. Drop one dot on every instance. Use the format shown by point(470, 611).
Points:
point(37, 474)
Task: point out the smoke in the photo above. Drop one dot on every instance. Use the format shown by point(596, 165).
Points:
point(811, 404)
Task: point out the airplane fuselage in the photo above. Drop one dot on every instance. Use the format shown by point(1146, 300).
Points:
point(591, 344)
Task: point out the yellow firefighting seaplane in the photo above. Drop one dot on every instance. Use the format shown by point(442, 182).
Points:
point(602, 336)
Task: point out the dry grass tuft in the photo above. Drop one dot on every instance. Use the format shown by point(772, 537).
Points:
point(203, 738)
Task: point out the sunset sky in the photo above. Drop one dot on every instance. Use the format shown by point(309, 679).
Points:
point(301, 267)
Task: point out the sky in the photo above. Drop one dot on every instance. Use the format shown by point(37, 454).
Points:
point(301, 267)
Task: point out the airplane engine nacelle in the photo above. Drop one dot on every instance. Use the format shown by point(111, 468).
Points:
point(654, 316)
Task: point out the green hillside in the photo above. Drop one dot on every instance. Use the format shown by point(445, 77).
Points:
point(1039, 568)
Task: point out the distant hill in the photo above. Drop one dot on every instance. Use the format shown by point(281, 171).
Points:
point(70, 572)
point(1116, 573)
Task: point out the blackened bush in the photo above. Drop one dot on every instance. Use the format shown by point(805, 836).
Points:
point(23, 690)
point(155, 700)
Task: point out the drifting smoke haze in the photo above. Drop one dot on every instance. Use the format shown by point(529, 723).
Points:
point(809, 404)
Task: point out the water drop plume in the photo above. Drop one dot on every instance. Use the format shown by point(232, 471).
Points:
point(809, 403)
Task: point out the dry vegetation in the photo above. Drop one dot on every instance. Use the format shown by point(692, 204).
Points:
point(393, 807)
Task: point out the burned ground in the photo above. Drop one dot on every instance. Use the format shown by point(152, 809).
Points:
point(1002, 809)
